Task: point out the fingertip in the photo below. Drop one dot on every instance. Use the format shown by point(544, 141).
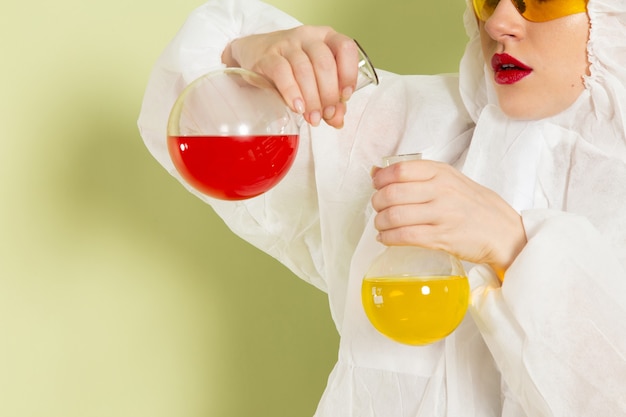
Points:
point(315, 117)
point(346, 93)
point(337, 124)
point(337, 121)
point(298, 106)
point(329, 112)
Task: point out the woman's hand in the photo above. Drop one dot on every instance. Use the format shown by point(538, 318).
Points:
point(313, 67)
point(431, 204)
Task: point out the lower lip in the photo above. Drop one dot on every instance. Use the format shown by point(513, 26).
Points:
point(511, 76)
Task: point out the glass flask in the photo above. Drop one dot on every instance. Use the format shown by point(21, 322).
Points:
point(415, 295)
point(231, 136)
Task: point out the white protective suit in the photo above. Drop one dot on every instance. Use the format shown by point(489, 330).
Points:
point(551, 341)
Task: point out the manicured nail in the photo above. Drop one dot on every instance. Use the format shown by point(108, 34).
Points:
point(346, 94)
point(298, 104)
point(329, 112)
point(315, 118)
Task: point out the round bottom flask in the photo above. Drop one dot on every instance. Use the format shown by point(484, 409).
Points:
point(414, 295)
point(231, 136)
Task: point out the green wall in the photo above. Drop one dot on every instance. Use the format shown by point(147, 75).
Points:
point(121, 295)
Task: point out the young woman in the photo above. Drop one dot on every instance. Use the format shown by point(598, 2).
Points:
point(524, 178)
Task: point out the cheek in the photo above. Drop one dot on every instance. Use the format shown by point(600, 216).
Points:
point(487, 43)
point(566, 68)
point(571, 61)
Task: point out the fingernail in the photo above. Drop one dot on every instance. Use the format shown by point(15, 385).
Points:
point(346, 93)
point(315, 118)
point(298, 104)
point(329, 112)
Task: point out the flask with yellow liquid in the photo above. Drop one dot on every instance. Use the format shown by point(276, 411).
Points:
point(414, 295)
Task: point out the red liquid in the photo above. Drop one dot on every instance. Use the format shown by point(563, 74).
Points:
point(233, 167)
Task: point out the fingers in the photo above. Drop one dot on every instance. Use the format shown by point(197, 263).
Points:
point(405, 172)
point(322, 95)
point(430, 204)
point(424, 235)
point(291, 85)
point(413, 198)
point(402, 193)
point(328, 79)
point(334, 95)
point(346, 54)
point(406, 215)
point(314, 68)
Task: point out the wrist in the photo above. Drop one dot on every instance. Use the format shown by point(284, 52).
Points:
point(507, 252)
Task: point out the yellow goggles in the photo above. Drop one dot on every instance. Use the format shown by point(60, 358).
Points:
point(533, 10)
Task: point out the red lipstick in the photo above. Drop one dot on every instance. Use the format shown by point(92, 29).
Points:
point(508, 70)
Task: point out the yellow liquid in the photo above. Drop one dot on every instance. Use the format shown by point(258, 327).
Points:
point(415, 310)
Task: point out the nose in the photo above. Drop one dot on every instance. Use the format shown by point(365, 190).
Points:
point(505, 22)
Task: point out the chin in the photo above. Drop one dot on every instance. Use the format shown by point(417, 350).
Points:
point(515, 111)
point(517, 114)
point(535, 107)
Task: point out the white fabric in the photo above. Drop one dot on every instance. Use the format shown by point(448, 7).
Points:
point(551, 341)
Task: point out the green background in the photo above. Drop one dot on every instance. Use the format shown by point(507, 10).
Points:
point(122, 295)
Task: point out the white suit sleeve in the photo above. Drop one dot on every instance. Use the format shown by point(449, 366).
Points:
point(195, 50)
point(557, 327)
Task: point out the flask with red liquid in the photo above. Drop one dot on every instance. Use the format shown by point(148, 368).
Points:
point(231, 136)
